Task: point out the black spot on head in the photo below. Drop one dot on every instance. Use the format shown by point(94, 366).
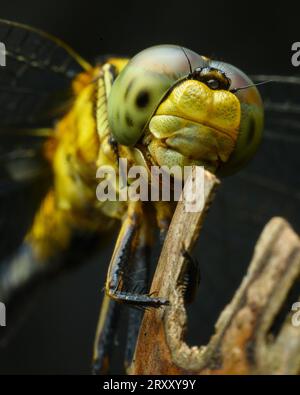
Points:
point(129, 121)
point(142, 99)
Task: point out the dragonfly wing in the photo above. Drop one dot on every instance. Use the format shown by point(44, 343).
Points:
point(24, 179)
point(270, 185)
point(278, 159)
point(38, 72)
point(35, 86)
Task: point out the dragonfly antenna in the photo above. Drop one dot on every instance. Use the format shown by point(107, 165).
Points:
point(250, 86)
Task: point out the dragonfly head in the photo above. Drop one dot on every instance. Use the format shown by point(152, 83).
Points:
point(180, 108)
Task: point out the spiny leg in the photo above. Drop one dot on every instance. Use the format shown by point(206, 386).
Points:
point(190, 278)
point(109, 318)
point(119, 265)
point(134, 278)
point(110, 312)
point(139, 279)
point(128, 268)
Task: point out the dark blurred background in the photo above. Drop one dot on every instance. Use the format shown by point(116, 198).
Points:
point(55, 334)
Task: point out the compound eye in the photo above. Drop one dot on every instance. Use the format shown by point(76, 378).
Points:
point(213, 84)
point(139, 87)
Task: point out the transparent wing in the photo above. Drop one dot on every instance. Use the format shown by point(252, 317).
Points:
point(35, 82)
point(38, 72)
point(276, 165)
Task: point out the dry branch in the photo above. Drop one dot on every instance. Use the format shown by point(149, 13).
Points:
point(242, 343)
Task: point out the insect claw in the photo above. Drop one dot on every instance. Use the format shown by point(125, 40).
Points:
point(153, 293)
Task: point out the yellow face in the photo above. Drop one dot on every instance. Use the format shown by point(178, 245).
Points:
point(194, 125)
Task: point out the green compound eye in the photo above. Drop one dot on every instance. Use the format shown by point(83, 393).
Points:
point(252, 119)
point(139, 88)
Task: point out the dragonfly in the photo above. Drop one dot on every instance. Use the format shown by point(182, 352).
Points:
point(62, 117)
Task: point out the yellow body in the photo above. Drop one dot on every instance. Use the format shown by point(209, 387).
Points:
point(75, 151)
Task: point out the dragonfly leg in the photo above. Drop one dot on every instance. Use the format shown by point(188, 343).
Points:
point(191, 277)
point(128, 270)
point(139, 278)
point(105, 335)
point(120, 263)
